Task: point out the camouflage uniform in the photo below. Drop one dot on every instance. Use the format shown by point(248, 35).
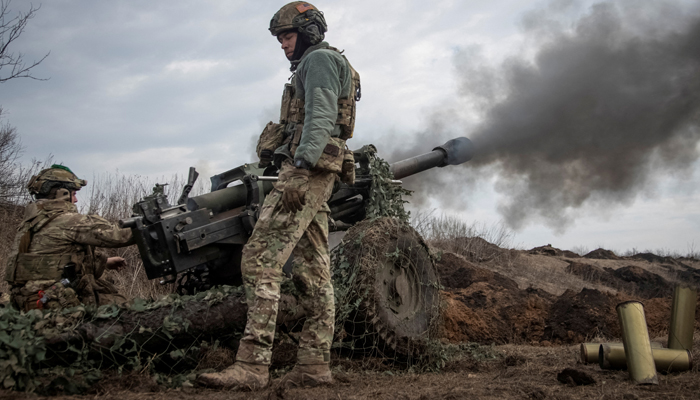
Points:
point(277, 235)
point(317, 116)
point(308, 144)
point(53, 235)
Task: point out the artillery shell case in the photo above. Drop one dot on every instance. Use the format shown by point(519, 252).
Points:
point(680, 333)
point(665, 360)
point(589, 351)
point(637, 346)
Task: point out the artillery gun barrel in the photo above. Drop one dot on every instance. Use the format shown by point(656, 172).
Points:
point(220, 200)
point(128, 222)
point(454, 152)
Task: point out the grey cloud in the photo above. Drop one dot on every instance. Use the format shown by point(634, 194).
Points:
point(110, 90)
point(601, 111)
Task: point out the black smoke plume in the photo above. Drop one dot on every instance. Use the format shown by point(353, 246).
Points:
point(604, 108)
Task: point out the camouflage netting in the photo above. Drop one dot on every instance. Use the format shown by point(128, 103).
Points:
point(385, 282)
point(387, 291)
point(386, 198)
point(66, 349)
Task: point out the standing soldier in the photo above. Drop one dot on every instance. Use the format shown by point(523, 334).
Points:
point(54, 263)
point(317, 117)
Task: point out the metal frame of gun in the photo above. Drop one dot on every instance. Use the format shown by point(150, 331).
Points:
point(203, 236)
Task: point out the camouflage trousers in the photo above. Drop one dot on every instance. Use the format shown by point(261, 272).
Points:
point(276, 236)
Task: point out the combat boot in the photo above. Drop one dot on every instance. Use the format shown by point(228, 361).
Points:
point(239, 376)
point(307, 375)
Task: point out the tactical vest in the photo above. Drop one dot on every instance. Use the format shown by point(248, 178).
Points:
point(292, 119)
point(26, 266)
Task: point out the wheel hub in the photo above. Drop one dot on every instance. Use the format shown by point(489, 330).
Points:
point(401, 286)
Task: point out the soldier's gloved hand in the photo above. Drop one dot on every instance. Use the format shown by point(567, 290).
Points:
point(115, 263)
point(294, 195)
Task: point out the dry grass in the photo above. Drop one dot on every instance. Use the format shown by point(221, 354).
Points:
point(476, 242)
point(112, 196)
point(10, 217)
point(489, 247)
point(548, 274)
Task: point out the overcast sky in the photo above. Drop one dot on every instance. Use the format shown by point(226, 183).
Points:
point(153, 87)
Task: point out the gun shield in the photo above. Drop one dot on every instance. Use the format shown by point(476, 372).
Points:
point(635, 338)
point(680, 333)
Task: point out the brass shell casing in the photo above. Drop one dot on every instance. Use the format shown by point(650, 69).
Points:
point(665, 360)
point(680, 333)
point(589, 351)
point(635, 337)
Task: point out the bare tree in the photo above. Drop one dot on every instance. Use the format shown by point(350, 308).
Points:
point(12, 64)
point(10, 149)
point(13, 175)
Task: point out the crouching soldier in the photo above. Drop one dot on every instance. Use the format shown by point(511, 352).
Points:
point(54, 263)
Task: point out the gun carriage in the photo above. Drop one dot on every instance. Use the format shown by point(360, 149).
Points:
point(198, 241)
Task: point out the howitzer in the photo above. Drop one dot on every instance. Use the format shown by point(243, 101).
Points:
point(201, 238)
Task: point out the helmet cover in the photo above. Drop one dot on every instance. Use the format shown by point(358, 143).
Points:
point(58, 176)
point(302, 17)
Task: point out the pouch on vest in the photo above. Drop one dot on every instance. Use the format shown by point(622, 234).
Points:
point(347, 175)
point(332, 156)
point(30, 267)
point(347, 107)
point(27, 297)
point(270, 139)
point(287, 96)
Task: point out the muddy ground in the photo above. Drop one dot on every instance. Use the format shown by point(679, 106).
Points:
point(529, 310)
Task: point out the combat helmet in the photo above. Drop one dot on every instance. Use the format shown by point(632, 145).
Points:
point(45, 183)
point(302, 17)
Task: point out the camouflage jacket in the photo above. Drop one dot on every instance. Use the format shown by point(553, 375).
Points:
point(54, 234)
point(322, 77)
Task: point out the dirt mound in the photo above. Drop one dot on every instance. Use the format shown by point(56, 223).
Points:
point(658, 315)
point(689, 276)
point(653, 258)
point(602, 254)
point(576, 317)
point(485, 313)
point(591, 273)
point(456, 272)
point(476, 249)
point(548, 250)
point(683, 273)
point(630, 279)
point(486, 307)
point(646, 284)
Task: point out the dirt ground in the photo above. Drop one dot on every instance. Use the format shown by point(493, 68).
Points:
point(523, 372)
point(531, 308)
point(485, 306)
